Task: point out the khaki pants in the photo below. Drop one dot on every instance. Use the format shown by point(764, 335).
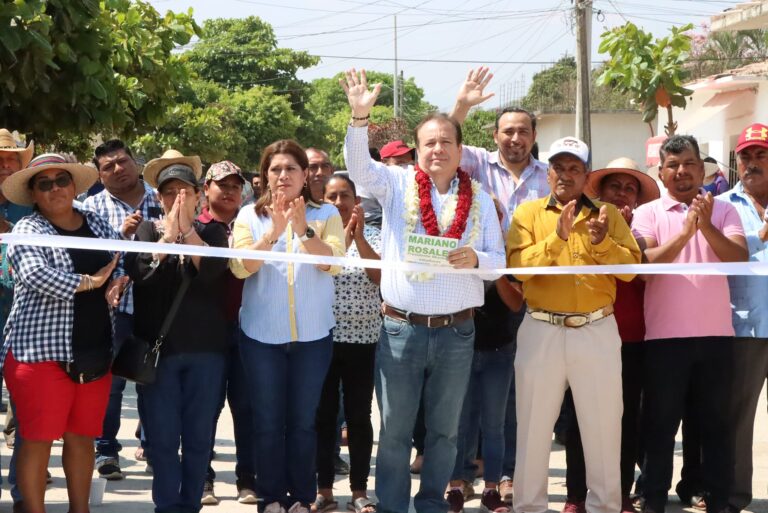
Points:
point(549, 359)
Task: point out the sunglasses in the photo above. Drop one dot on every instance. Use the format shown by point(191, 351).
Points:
point(46, 185)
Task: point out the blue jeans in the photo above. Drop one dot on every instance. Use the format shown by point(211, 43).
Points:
point(180, 407)
point(236, 392)
point(484, 411)
point(411, 360)
point(285, 382)
point(107, 445)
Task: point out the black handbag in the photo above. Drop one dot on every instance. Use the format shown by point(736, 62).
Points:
point(137, 358)
point(88, 366)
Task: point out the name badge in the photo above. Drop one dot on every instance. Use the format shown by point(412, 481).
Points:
point(429, 249)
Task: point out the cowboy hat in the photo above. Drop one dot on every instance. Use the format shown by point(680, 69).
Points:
point(170, 157)
point(8, 143)
point(16, 187)
point(649, 190)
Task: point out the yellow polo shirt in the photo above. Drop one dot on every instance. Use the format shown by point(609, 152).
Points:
point(533, 242)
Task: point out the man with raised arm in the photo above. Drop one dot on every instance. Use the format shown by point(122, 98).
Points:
point(427, 336)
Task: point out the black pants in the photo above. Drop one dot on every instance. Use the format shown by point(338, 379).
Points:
point(698, 369)
point(632, 385)
point(352, 366)
point(750, 364)
point(690, 483)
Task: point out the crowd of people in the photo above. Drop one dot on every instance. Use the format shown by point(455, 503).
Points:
point(474, 370)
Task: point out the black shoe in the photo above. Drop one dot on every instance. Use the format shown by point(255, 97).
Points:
point(340, 467)
point(109, 468)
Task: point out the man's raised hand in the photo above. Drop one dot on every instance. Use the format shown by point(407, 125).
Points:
point(361, 99)
point(472, 90)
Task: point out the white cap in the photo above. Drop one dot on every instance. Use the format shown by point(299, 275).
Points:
point(571, 146)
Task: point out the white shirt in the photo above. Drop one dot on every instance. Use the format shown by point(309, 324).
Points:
point(445, 293)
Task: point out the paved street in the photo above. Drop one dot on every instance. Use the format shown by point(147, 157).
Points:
point(133, 494)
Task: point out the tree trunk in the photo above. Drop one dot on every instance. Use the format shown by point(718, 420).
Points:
point(671, 127)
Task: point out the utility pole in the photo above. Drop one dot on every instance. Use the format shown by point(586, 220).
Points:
point(401, 96)
point(396, 91)
point(583, 10)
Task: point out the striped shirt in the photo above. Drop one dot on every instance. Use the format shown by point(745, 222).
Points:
point(486, 167)
point(39, 328)
point(116, 211)
point(287, 302)
point(445, 293)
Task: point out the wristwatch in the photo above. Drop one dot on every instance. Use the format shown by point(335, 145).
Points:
point(307, 235)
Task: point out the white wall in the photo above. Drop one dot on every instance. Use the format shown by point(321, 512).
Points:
point(614, 135)
point(717, 134)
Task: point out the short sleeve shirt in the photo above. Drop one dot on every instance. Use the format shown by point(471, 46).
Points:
point(358, 303)
point(685, 305)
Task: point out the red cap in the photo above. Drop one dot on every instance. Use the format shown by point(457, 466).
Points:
point(754, 135)
point(394, 149)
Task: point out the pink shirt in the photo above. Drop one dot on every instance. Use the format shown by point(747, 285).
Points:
point(678, 306)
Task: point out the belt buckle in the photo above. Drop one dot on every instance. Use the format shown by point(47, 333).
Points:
point(575, 320)
point(447, 320)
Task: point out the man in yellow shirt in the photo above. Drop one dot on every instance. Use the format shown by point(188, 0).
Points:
point(569, 335)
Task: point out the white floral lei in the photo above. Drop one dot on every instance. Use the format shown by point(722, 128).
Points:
point(447, 213)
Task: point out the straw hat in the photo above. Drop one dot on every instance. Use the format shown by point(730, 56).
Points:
point(8, 143)
point(16, 187)
point(649, 190)
point(170, 157)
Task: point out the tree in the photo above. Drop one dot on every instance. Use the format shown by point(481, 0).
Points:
point(551, 88)
point(241, 53)
point(70, 68)
point(651, 71)
point(477, 129)
point(717, 52)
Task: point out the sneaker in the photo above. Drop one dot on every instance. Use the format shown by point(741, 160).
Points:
point(340, 467)
point(109, 468)
point(247, 496)
point(627, 506)
point(209, 498)
point(506, 491)
point(574, 507)
point(455, 500)
point(491, 502)
point(298, 508)
point(274, 507)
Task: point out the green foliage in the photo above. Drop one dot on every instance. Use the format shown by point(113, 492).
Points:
point(242, 53)
point(74, 67)
point(718, 52)
point(477, 129)
point(640, 66)
point(217, 124)
point(547, 89)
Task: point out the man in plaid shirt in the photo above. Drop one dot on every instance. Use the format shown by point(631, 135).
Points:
point(125, 202)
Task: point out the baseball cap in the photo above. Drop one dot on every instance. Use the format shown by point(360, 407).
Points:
point(755, 134)
point(177, 172)
point(394, 149)
point(571, 146)
point(223, 169)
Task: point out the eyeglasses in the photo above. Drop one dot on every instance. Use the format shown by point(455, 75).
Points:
point(325, 166)
point(46, 185)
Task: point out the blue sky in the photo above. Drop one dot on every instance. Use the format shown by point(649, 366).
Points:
point(521, 36)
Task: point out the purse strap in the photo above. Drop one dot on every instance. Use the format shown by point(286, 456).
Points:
point(166, 327)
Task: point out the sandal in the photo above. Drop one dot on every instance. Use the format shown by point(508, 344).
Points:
point(698, 502)
point(360, 504)
point(322, 504)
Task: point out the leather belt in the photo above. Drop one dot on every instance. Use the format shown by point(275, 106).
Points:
point(571, 320)
point(430, 321)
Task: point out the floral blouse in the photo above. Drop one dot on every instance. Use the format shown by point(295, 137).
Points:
point(357, 307)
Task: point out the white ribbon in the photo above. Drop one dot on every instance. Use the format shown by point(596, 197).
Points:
point(128, 246)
